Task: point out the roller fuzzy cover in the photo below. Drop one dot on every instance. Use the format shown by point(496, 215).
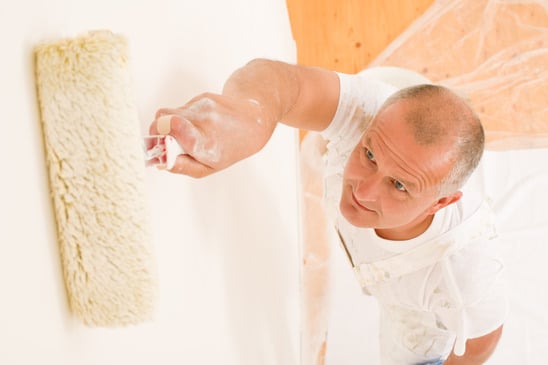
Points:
point(97, 177)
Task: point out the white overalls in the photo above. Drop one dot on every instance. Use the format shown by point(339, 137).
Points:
point(425, 326)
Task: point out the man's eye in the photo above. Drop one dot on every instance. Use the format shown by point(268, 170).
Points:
point(369, 155)
point(399, 186)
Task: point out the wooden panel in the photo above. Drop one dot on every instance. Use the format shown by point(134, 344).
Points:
point(345, 35)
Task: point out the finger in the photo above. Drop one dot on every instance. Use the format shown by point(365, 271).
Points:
point(180, 128)
point(163, 124)
point(161, 112)
point(186, 165)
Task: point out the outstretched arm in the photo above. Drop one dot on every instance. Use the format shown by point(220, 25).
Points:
point(478, 350)
point(218, 130)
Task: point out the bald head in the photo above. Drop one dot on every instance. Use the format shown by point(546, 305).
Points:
point(437, 116)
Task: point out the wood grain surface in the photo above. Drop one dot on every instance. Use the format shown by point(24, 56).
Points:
point(345, 35)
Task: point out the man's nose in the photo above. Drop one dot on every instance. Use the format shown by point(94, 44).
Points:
point(367, 188)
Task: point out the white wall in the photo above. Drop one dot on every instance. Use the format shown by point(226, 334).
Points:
point(226, 246)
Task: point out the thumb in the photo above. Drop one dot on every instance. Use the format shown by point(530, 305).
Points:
point(195, 141)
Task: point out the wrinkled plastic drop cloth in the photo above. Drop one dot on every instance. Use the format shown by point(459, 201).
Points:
point(494, 53)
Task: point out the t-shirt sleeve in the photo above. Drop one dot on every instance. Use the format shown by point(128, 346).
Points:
point(477, 274)
point(360, 98)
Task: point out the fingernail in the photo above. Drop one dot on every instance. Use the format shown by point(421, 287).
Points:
point(163, 124)
point(161, 166)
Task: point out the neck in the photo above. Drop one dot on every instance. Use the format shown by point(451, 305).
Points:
point(406, 232)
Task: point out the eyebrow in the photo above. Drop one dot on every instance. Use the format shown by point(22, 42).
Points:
point(406, 183)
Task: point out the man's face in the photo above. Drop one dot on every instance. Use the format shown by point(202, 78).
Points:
point(390, 182)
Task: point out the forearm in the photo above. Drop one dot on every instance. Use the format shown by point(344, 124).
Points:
point(271, 85)
point(299, 96)
point(216, 131)
point(478, 350)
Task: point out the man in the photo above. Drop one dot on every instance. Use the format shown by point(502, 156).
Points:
point(396, 162)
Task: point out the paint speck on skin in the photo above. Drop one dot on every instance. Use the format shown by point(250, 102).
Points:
point(257, 104)
point(205, 148)
point(202, 105)
point(211, 121)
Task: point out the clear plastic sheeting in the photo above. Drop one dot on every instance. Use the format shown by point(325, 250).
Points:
point(493, 52)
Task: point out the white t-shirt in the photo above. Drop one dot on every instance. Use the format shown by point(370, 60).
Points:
point(434, 291)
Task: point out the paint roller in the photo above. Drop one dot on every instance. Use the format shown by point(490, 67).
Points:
point(94, 156)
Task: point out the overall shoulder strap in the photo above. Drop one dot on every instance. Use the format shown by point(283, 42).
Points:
point(478, 225)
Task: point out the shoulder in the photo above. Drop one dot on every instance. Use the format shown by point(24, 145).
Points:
point(362, 94)
point(471, 297)
point(476, 265)
point(476, 271)
point(472, 277)
point(360, 97)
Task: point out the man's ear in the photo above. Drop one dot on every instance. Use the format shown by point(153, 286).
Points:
point(445, 201)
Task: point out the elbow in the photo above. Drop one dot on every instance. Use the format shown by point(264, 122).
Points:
point(484, 346)
point(478, 350)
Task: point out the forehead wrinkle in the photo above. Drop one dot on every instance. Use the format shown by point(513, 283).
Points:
point(401, 163)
